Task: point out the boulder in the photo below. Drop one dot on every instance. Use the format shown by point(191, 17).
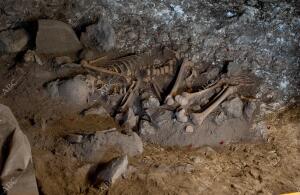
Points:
point(13, 41)
point(100, 36)
point(55, 37)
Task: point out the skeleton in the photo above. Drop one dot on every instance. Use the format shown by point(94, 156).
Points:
point(134, 70)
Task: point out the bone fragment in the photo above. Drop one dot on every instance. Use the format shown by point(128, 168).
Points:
point(181, 116)
point(181, 100)
point(125, 102)
point(198, 118)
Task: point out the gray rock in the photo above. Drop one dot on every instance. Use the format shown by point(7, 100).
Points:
point(233, 69)
point(249, 110)
point(74, 91)
point(55, 37)
point(115, 168)
point(100, 36)
point(151, 102)
point(13, 41)
point(234, 107)
point(130, 120)
point(146, 128)
point(94, 147)
point(220, 118)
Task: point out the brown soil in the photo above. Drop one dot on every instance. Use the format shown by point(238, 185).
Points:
point(265, 168)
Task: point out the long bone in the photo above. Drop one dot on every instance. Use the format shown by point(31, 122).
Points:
point(198, 118)
point(179, 78)
point(241, 79)
point(128, 98)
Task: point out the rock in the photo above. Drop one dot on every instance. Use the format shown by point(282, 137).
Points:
point(233, 69)
point(249, 110)
point(196, 159)
point(93, 147)
point(220, 118)
point(130, 120)
point(74, 91)
point(146, 128)
point(234, 107)
point(181, 116)
point(74, 138)
point(151, 102)
point(100, 36)
point(13, 41)
point(99, 110)
point(55, 37)
point(113, 170)
point(189, 129)
point(212, 74)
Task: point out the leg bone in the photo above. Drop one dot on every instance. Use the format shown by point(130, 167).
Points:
point(198, 118)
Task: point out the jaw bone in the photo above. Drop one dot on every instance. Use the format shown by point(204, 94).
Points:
point(198, 118)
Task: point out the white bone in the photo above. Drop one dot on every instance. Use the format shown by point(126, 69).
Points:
point(198, 118)
point(181, 116)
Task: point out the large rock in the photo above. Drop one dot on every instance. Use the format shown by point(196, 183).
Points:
point(55, 37)
point(113, 170)
point(74, 91)
point(100, 36)
point(234, 107)
point(13, 41)
point(93, 147)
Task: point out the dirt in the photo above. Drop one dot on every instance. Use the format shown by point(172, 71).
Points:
point(272, 167)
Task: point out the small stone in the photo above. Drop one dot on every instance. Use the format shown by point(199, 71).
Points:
point(220, 118)
point(13, 41)
point(234, 107)
point(55, 37)
point(233, 69)
point(151, 102)
point(181, 116)
point(249, 110)
point(114, 170)
point(130, 120)
point(100, 36)
point(189, 129)
point(74, 138)
point(146, 128)
point(196, 159)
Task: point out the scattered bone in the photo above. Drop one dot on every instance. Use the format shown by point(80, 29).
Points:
point(170, 100)
point(189, 129)
point(198, 118)
point(31, 56)
point(181, 116)
point(129, 96)
point(74, 138)
point(181, 100)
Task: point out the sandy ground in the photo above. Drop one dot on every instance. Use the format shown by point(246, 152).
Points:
point(272, 167)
